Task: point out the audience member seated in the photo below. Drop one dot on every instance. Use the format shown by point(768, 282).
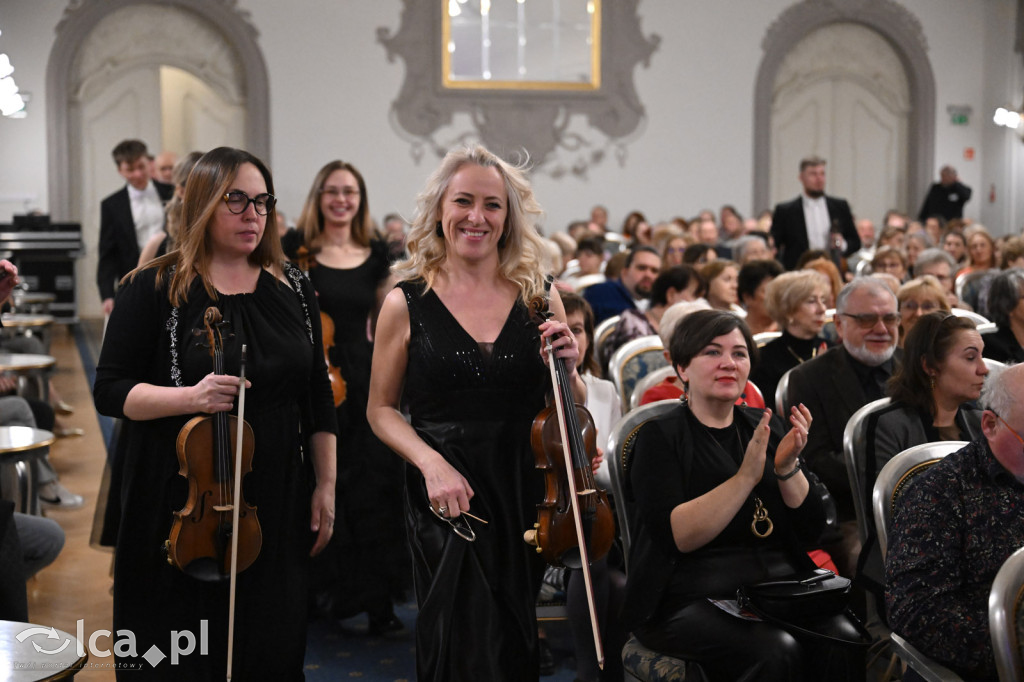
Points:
point(820, 262)
point(797, 302)
point(932, 393)
point(699, 255)
point(981, 250)
point(942, 267)
point(839, 382)
point(916, 243)
point(672, 255)
point(889, 260)
point(866, 232)
point(721, 277)
point(41, 541)
point(1011, 253)
point(916, 298)
point(17, 411)
point(672, 388)
point(893, 237)
point(952, 530)
point(750, 248)
point(697, 477)
point(954, 243)
point(681, 283)
point(751, 285)
point(608, 581)
point(1007, 311)
point(610, 298)
point(630, 223)
point(590, 257)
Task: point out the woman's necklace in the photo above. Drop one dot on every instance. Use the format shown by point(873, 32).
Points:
point(800, 360)
point(760, 511)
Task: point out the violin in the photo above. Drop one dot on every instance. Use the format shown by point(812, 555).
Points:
point(338, 386)
point(204, 533)
point(575, 523)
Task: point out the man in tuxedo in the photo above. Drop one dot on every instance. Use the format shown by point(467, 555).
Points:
point(813, 220)
point(836, 384)
point(128, 218)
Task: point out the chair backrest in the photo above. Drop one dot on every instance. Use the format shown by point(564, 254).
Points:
point(581, 283)
point(764, 337)
point(603, 330)
point(653, 378)
point(854, 451)
point(977, 318)
point(782, 394)
point(1006, 617)
point(988, 328)
point(632, 361)
point(993, 364)
point(620, 450)
point(897, 473)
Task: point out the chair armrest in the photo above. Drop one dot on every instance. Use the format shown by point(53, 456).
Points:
point(922, 665)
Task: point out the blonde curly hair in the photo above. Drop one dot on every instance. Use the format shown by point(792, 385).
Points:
point(521, 250)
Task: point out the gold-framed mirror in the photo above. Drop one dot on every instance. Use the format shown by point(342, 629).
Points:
point(521, 45)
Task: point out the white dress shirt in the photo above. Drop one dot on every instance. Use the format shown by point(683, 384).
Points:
point(147, 212)
point(817, 220)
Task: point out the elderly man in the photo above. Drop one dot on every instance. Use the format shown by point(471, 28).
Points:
point(633, 286)
point(836, 384)
point(941, 266)
point(946, 197)
point(813, 220)
point(953, 528)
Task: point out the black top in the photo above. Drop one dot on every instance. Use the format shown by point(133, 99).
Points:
point(945, 201)
point(676, 459)
point(780, 355)
point(1003, 346)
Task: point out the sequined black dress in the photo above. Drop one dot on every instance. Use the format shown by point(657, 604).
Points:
point(477, 618)
point(148, 340)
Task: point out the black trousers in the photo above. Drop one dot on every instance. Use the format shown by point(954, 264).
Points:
point(730, 648)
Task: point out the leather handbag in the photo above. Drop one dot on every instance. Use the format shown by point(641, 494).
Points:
point(806, 596)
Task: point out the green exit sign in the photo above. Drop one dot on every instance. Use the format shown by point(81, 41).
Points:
point(959, 114)
point(958, 119)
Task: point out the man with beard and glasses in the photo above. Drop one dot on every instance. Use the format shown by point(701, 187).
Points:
point(632, 287)
point(813, 220)
point(839, 382)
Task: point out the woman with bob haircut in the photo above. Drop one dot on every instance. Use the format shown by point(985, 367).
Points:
point(456, 346)
point(697, 477)
point(797, 301)
point(367, 560)
point(917, 298)
point(154, 373)
point(1007, 311)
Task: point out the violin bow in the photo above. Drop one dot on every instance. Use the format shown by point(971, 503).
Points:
point(234, 512)
point(560, 409)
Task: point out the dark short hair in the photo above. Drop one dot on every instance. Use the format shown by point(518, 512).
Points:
point(1004, 294)
point(700, 328)
point(594, 245)
point(753, 273)
point(694, 252)
point(678, 278)
point(639, 249)
point(128, 151)
point(928, 343)
point(811, 162)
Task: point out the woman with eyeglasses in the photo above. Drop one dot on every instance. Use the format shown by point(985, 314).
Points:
point(916, 298)
point(456, 349)
point(718, 499)
point(155, 372)
point(933, 391)
point(367, 561)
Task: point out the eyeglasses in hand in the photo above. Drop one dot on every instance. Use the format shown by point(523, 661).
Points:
point(238, 201)
point(869, 320)
point(460, 524)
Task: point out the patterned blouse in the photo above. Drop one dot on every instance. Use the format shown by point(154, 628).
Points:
point(955, 526)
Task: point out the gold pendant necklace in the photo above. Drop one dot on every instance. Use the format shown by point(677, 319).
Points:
point(761, 516)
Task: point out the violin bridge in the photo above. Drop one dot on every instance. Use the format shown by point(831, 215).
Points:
point(223, 507)
point(588, 491)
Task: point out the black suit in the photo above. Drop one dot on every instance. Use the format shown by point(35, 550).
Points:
point(119, 246)
point(789, 229)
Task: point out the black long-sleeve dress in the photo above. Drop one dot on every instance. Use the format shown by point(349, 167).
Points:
point(150, 341)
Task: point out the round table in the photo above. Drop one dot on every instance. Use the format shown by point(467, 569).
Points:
point(23, 324)
point(17, 445)
point(37, 302)
point(30, 365)
point(30, 652)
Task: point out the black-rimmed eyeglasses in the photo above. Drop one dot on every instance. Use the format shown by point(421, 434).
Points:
point(460, 524)
point(238, 201)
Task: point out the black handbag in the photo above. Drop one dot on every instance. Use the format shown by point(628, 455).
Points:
point(806, 596)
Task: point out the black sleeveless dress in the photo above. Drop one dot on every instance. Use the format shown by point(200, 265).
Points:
point(475, 406)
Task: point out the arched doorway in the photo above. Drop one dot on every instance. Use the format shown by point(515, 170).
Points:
point(903, 35)
point(115, 68)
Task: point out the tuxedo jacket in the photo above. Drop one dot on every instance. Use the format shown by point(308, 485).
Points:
point(789, 229)
point(119, 246)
